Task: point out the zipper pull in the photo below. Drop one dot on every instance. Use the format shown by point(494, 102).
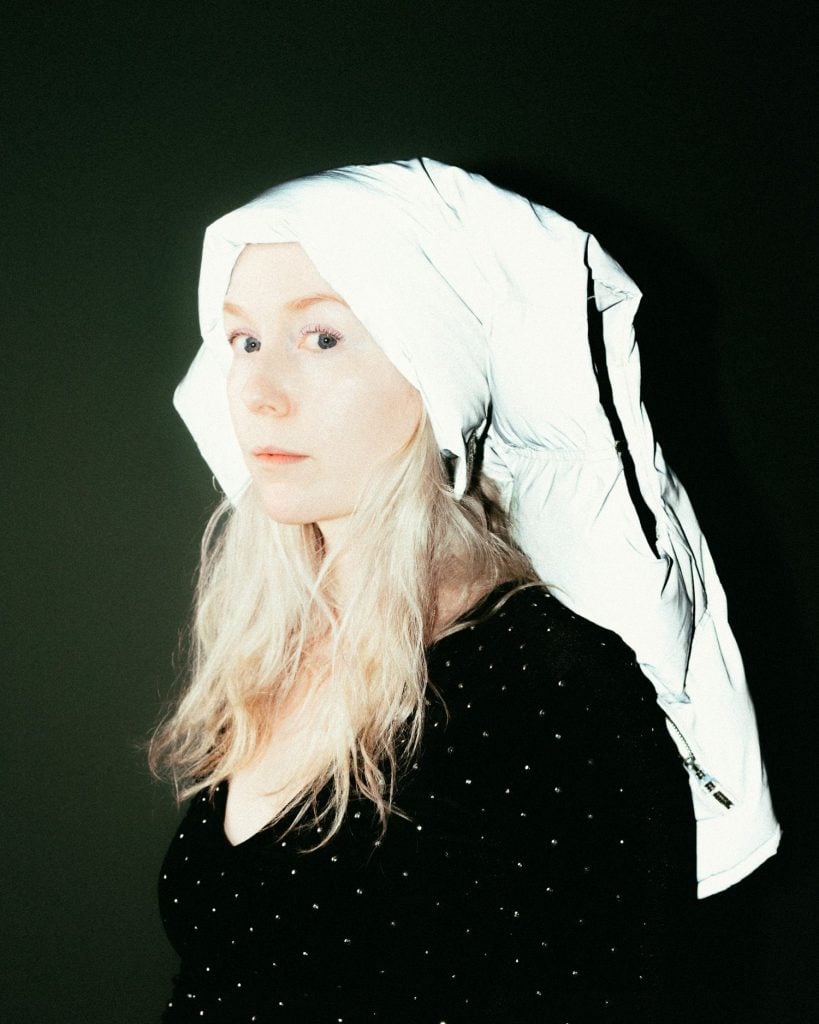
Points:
point(706, 781)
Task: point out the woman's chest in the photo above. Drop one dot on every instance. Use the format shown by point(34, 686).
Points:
point(272, 893)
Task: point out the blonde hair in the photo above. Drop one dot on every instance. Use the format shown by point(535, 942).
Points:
point(265, 603)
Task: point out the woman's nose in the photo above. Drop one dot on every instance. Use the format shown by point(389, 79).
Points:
point(266, 390)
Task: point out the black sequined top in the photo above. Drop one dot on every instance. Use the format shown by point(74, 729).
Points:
point(540, 875)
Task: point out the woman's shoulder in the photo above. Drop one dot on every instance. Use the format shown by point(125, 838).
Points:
point(528, 670)
point(530, 625)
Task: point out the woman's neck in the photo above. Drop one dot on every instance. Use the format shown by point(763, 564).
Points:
point(453, 599)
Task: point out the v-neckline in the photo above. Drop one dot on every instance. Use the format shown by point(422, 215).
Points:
point(220, 808)
point(220, 805)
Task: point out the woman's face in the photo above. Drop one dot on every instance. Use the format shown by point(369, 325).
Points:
point(315, 403)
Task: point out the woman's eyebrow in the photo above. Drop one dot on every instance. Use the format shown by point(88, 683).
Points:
point(296, 305)
point(309, 300)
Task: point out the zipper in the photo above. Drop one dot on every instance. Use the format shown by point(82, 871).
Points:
point(708, 783)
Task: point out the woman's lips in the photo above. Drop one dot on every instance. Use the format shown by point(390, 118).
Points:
point(276, 455)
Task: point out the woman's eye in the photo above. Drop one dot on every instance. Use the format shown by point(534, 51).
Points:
point(247, 341)
point(325, 338)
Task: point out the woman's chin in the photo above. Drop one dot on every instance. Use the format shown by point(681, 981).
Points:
point(286, 516)
point(292, 513)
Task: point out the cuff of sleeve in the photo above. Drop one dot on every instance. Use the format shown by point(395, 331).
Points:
point(725, 879)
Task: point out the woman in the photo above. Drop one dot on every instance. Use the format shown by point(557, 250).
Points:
point(422, 788)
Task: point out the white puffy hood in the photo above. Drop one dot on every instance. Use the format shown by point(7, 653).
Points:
point(517, 329)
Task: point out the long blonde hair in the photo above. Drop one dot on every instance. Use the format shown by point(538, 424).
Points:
point(265, 602)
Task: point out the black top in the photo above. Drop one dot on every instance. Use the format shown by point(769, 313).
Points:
point(547, 856)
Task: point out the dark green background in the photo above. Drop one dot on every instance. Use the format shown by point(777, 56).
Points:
point(680, 135)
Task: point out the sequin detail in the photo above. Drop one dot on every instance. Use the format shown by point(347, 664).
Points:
point(548, 845)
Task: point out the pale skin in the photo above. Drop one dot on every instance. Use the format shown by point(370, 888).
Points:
point(307, 379)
